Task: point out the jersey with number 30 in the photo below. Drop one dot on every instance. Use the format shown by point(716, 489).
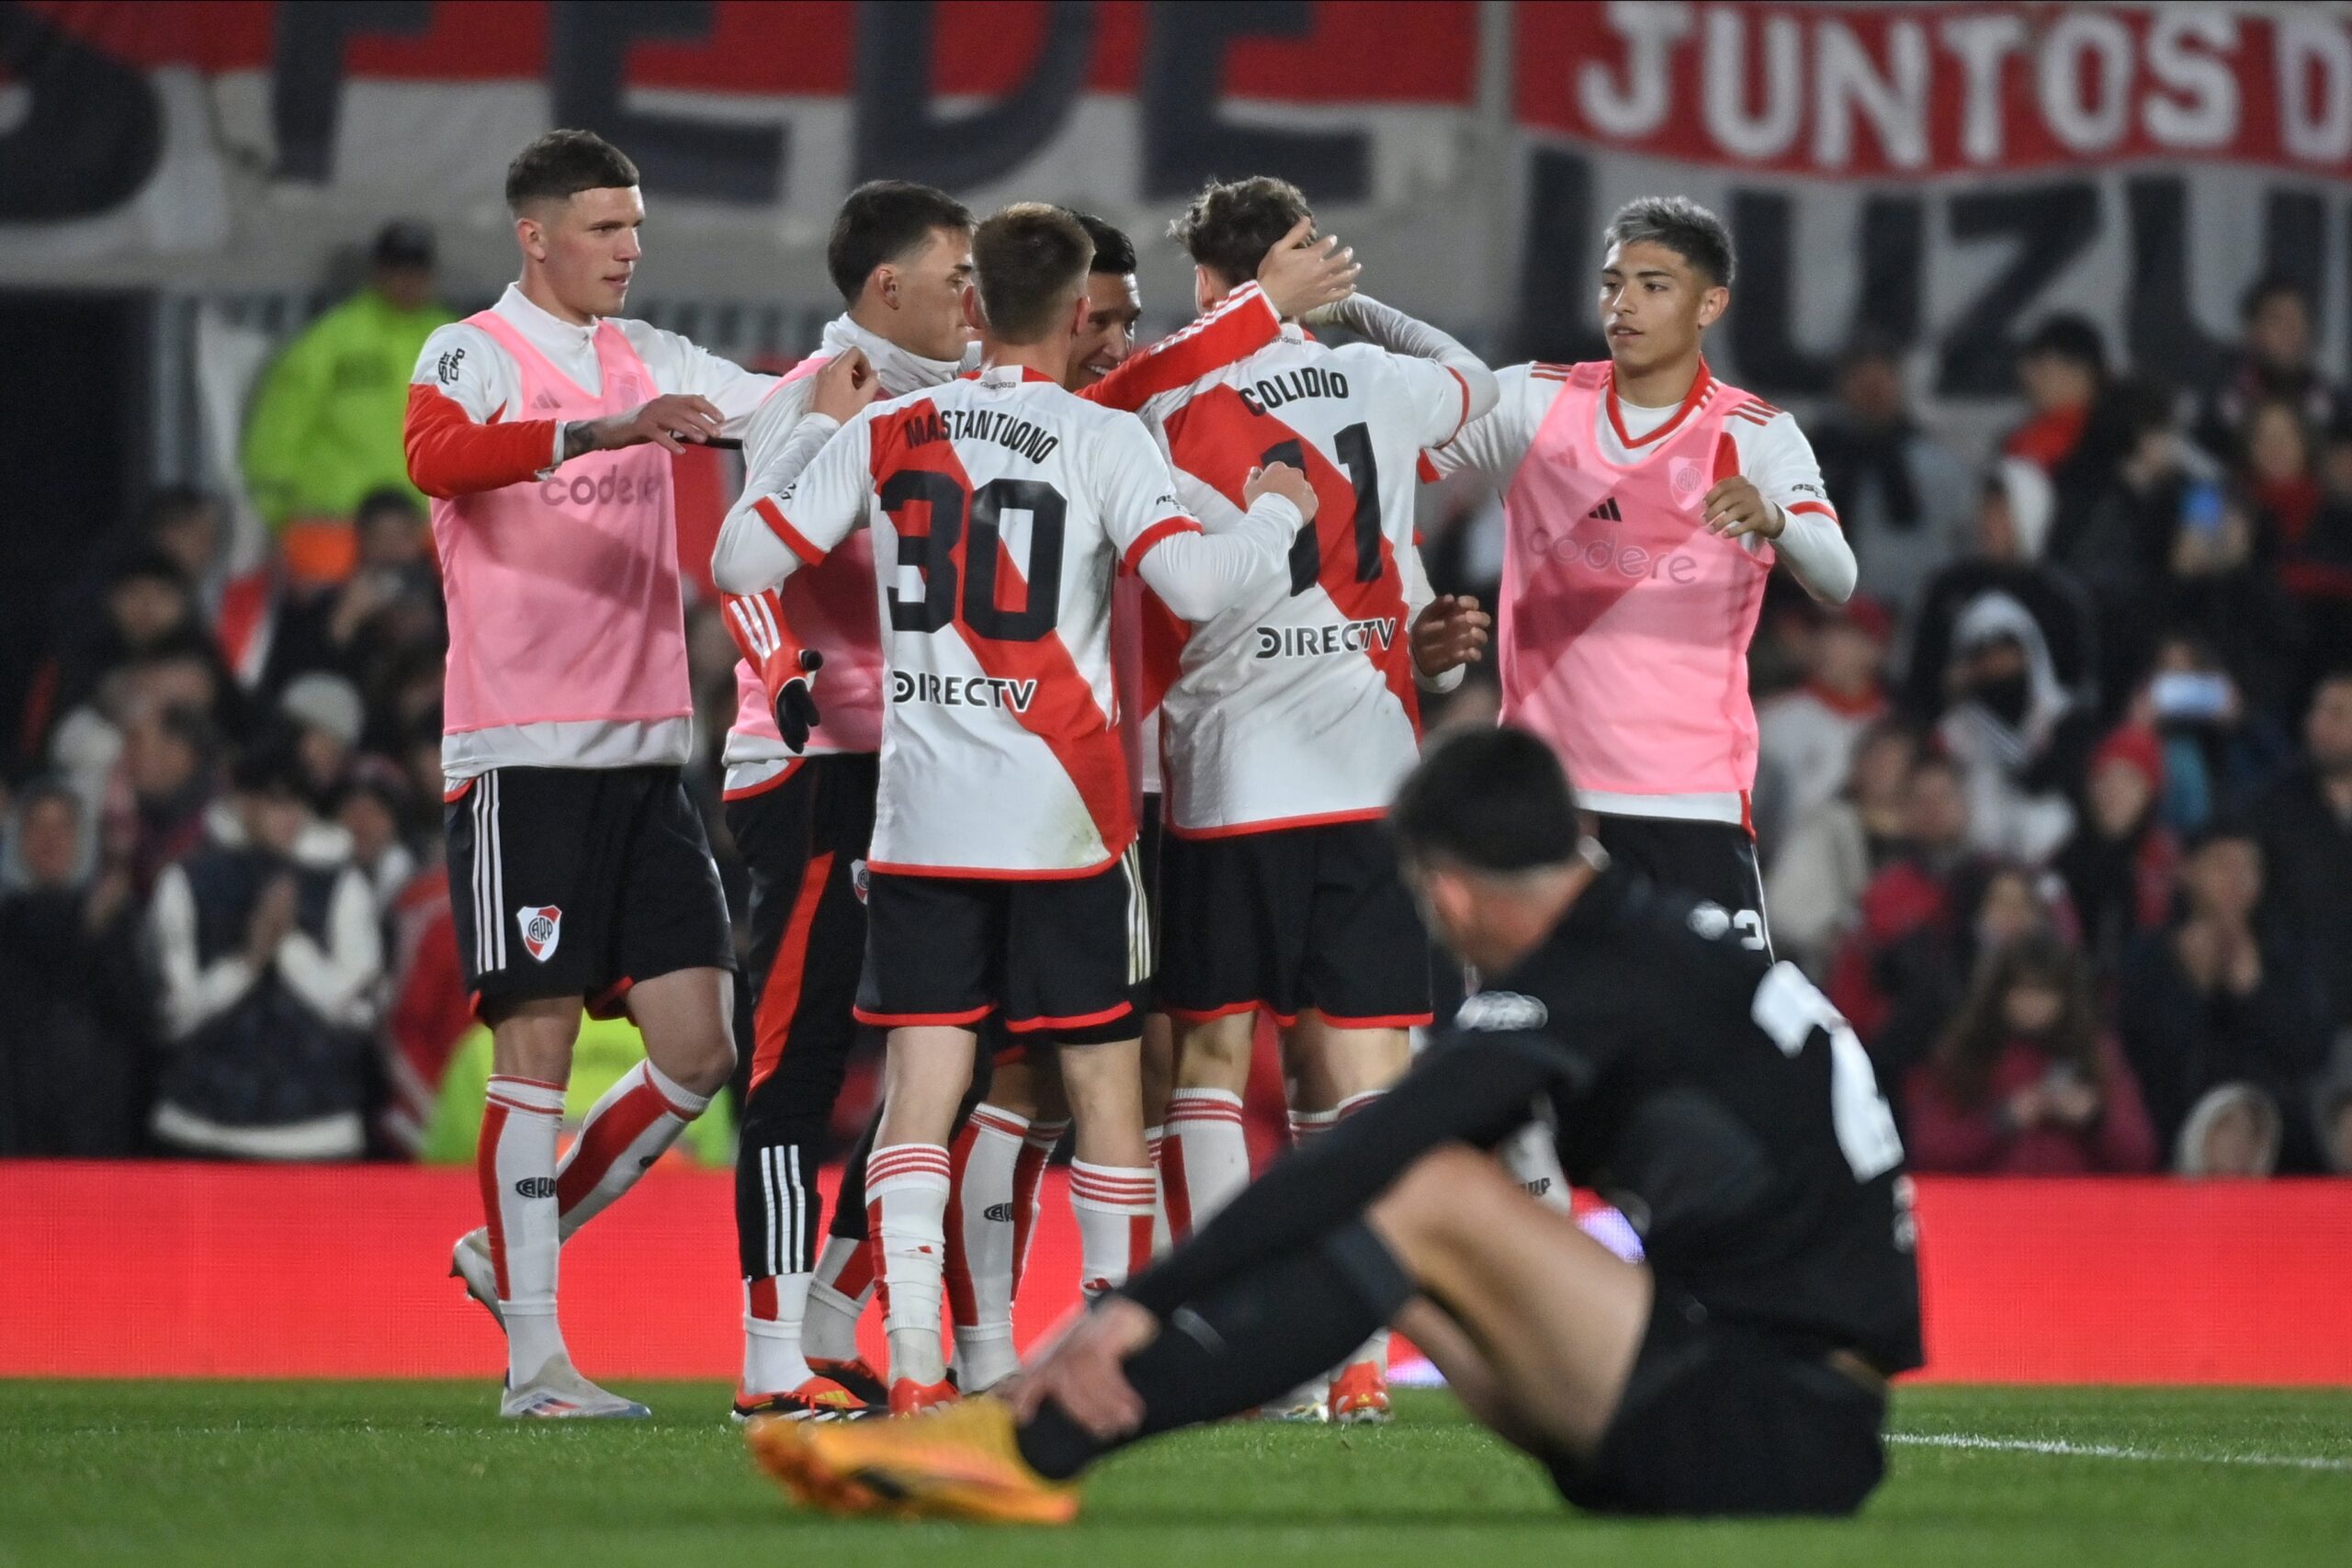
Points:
point(1002, 507)
point(1297, 705)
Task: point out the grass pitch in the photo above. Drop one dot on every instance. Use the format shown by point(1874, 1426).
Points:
point(423, 1473)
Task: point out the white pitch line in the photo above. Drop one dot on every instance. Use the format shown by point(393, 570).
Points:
point(2060, 1446)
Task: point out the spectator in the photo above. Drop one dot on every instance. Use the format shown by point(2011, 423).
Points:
point(325, 427)
point(1806, 736)
point(390, 606)
point(1816, 879)
point(1902, 496)
point(2315, 567)
point(1912, 892)
point(326, 718)
point(2077, 431)
point(1926, 975)
point(2273, 366)
point(184, 524)
point(2305, 823)
point(2217, 746)
point(2118, 867)
point(169, 757)
point(374, 807)
point(2210, 1002)
point(2015, 732)
point(2013, 518)
point(2221, 593)
point(270, 951)
point(75, 1032)
point(2233, 1133)
point(2025, 1082)
point(2120, 550)
point(147, 605)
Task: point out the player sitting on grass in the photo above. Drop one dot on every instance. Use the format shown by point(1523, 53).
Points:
point(1712, 1093)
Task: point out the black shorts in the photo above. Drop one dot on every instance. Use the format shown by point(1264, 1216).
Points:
point(1714, 861)
point(581, 882)
point(1068, 958)
point(1006, 1048)
point(804, 840)
point(1724, 1418)
point(1292, 919)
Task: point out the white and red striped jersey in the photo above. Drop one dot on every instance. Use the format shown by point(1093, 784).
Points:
point(1298, 705)
point(1002, 507)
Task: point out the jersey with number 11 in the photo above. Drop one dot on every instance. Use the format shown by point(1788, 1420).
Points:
point(1002, 508)
point(1297, 705)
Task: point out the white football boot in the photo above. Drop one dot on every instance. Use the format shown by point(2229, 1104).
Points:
point(469, 1261)
point(558, 1391)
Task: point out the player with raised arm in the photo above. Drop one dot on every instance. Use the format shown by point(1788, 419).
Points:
point(1003, 879)
point(907, 243)
point(1715, 1093)
point(542, 428)
point(1290, 721)
point(1645, 503)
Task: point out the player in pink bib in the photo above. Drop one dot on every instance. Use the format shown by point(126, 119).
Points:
point(1645, 501)
point(579, 870)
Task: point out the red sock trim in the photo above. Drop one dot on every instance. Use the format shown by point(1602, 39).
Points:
point(606, 1137)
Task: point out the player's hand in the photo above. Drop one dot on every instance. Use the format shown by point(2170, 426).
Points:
point(1449, 632)
point(796, 702)
point(757, 625)
point(1281, 479)
point(670, 422)
point(845, 386)
point(1735, 507)
point(1084, 1372)
point(1302, 273)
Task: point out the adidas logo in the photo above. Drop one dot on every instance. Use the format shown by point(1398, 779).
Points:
point(1607, 512)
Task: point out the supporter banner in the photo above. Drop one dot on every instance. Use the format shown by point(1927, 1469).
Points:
point(154, 1269)
point(1942, 174)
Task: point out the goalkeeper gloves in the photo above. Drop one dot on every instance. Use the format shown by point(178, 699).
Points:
point(788, 671)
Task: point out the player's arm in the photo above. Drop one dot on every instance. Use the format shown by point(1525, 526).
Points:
point(683, 367)
point(816, 502)
point(1473, 1087)
point(1778, 497)
point(806, 414)
point(1446, 385)
point(1195, 573)
point(1450, 632)
point(1492, 444)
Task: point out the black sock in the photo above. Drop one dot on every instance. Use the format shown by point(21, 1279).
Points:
point(1253, 1340)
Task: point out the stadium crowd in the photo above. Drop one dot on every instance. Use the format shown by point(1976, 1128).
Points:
point(2058, 809)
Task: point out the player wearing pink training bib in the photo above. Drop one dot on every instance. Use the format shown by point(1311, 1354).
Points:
point(1003, 877)
point(1645, 501)
point(542, 428)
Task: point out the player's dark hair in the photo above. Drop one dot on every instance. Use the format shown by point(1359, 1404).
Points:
point(1230, 226)
point(1980, 1031)
point(1113, 253)
point(1029, 263)
point(886, 221)
point(1493, 800)
point(1682, 226)
point(562, 163)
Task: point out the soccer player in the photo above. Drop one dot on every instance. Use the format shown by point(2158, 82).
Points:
point(543, 430)
point(805, 826)
point(1645, 503)
point(1003, 877)
point(1739, 1369)
point(1292, 717)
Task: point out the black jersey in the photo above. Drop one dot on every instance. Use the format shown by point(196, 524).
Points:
point(1713, 1095)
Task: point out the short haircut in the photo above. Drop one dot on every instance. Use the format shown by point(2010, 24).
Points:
point(885, 220)
point(2268, 287)
point(1682, 226)
point(1230, 226)
point(1029, 261)
point(2069, 337)
point(1115, 253)
point(562, 163)
point(1492, 800)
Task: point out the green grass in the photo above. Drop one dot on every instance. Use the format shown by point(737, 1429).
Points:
point(422, 1472)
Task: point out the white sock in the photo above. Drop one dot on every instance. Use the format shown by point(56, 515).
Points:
point(1205, 1159)
point(979, 1246)
point(905, 1193)
point(773, 1310)
point(1113, 1204)
point(828, 1332)
point(632, 1126)
point(516, 1164)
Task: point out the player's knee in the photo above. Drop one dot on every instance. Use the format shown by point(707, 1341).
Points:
point(1214, 1056)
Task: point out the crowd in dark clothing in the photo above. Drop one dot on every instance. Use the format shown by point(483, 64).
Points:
point(2059, 810)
